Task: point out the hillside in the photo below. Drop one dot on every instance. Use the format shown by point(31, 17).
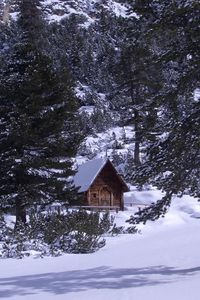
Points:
point(92, 33)
point(56, 10)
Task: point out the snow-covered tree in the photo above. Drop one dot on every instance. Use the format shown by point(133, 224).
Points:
point(173, 160)
point(38, 118)
point(138, 80)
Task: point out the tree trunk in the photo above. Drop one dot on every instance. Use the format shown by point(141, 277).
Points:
point(135, 100)
point(137, 139)
point(20, 213)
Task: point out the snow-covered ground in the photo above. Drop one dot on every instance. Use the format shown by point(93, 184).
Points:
point(161, 263)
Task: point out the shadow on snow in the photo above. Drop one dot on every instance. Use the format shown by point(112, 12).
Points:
point(96, 278)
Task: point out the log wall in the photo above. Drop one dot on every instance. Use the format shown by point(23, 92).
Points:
point(106, 189)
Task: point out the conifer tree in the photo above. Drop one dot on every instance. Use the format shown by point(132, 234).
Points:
point(137, 81)
point(173, 160)
point(39, 120)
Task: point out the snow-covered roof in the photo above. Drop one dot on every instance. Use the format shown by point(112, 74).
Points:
point(87, 172)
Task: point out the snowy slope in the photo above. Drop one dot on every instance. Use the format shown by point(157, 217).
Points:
point(103, 145)
point(56, 10)
point(161, 263)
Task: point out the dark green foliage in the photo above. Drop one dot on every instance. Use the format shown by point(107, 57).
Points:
point(16, 242)
point(117, 158)
point(138, 80)
point(21, 242)
point(56, 233)
point(122, 230)
point(77, 231)
point(152, 212)
point(3, 228)
point(131, 230)
point(100, 120)
point(39, 123)
point(129, 167)
point(92, 55)
point(172, 162)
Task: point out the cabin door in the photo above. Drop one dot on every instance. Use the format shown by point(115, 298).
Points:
point(105, 197)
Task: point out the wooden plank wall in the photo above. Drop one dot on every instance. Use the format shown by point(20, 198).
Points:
point(106, 179)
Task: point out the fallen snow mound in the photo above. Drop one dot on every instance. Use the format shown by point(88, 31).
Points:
point(182, 210)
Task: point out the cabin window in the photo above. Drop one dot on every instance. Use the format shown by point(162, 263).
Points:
point(94, 195)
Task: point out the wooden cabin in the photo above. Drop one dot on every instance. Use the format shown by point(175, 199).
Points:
point(100, 185)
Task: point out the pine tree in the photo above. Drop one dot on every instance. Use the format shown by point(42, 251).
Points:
point(137, 84)
point(40, 132)
point(173, 160)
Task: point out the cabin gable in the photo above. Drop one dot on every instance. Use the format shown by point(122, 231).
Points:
point(106, 189)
